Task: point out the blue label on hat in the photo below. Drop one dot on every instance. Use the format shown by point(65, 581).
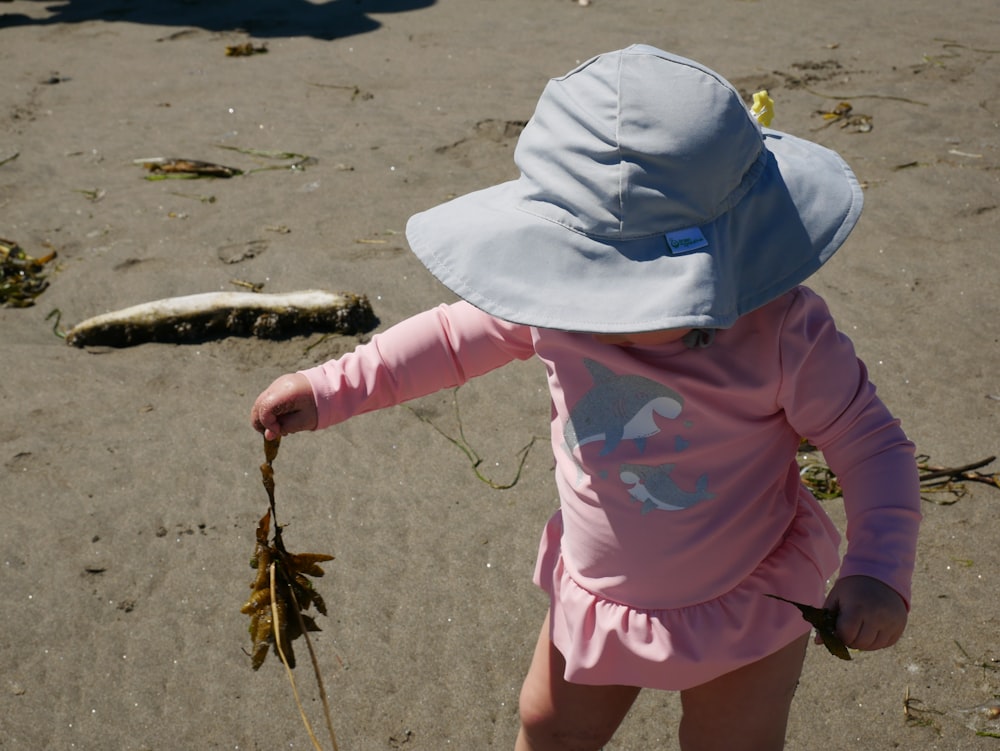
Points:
point(685, 241)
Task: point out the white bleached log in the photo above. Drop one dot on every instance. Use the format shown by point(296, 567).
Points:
point(215, 315)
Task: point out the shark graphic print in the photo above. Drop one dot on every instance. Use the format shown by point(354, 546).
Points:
point(621, 408)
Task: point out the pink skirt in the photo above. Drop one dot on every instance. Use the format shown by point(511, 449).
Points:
point(609, 643)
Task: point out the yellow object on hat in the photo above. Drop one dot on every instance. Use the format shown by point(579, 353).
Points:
point(763, 108)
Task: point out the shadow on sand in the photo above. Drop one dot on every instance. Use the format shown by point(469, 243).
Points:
point(259, 18)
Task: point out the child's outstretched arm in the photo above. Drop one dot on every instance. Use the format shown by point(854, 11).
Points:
point(437, 349)
point(286, 406)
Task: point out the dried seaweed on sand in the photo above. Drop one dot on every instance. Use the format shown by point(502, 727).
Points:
point(164, 168)
point(22, 278)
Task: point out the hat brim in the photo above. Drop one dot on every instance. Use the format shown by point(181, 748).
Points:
point(491, 250)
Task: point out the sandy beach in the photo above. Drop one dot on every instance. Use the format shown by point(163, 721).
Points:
point(130, 484)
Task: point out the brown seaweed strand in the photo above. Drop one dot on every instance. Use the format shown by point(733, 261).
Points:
point(267, 475)
point(267, 469)
point(284, 660)
point(312, 657)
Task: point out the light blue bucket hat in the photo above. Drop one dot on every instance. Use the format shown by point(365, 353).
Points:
point(649, 198)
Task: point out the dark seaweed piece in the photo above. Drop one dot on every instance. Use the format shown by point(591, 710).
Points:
point(245, 50)
point(162, 169)
point(22, 278)
point(825, 623)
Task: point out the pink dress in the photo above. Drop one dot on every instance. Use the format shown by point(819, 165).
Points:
point(680, 499)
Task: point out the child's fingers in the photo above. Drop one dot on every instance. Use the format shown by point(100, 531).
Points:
point(293, 421)
point(855, 633)
point(262, 415)
point(868, 626)
point(872, 637)
point(274, 417)
point(284, 407)
point(850, 629)
point(267, 424)
point(271, 428)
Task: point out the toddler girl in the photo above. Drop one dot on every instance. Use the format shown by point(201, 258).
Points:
point(650, 255)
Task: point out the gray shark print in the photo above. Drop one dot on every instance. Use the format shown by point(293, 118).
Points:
point(617, 408)
point(655, 489)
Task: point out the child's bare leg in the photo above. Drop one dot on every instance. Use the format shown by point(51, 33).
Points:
point(747, 709)
point(557, 715)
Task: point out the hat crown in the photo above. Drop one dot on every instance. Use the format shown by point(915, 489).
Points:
point(649, 198)
point(636, 143)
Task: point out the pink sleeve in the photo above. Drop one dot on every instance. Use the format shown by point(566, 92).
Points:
point(434, 350)
point(828, 398)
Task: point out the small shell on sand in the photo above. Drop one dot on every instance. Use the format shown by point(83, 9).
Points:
point(215, 315)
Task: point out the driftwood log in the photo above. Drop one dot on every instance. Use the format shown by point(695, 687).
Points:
point(215, 315)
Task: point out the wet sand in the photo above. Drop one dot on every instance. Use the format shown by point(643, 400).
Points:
point(130, 483)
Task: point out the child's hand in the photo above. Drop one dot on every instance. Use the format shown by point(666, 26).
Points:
point(870, 614)
point(286, 406)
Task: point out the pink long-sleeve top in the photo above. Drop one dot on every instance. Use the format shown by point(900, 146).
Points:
point(675, 465)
